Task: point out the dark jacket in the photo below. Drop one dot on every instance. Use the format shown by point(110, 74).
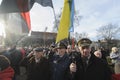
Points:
point(97, 69)
point(37, 71)
point(60, 67)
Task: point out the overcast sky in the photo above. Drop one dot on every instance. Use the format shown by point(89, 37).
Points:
point(95, 14)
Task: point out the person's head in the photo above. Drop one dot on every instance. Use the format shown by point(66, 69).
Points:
point(84, 45)
point(52, 47)
point(69, 49)
point(61, 47)
point(98, 54)
point(38, 52)
point(114, 49)
point(4, 62)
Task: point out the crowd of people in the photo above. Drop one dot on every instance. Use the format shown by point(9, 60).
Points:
point(59, 62)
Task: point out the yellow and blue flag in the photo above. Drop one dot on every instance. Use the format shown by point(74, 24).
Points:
point(65, 22)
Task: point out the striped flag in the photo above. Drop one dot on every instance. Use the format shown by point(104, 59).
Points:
point(65, 22)
point(13, 6)
point(22, 7)
point(26, 18)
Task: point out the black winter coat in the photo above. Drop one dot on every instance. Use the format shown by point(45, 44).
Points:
point(97, 69)
point(37, 71)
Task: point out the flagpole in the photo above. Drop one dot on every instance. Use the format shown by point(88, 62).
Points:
point(54, 14)
point(72, 23)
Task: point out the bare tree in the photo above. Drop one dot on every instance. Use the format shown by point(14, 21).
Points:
point(109, 32)
point(77, 19)
point(57, 21)
point(81, 35)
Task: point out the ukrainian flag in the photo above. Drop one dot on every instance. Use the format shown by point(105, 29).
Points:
point(65, 22)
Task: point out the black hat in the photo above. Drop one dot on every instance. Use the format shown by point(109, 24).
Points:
point(38, 49)
point(61, 44)
point(84, 42)
point(52, 45)
point(4, 62)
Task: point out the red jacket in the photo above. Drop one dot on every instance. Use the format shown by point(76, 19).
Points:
point(116, 77)
point(7, 74)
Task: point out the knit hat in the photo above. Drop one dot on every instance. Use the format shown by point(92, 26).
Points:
point(4, 62)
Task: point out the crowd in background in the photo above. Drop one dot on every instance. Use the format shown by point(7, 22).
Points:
point(59, 61)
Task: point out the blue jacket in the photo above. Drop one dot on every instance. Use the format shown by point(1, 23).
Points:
point(60, 67)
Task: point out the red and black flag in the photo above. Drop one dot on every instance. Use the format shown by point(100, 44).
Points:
point(12, 6)
point(26, 18)
point(20, 8)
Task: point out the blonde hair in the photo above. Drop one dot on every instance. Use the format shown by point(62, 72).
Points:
point(114, 49)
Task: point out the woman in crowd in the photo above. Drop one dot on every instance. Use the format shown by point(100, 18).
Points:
point(6, 71)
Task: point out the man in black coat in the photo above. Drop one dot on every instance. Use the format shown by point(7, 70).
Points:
point(38, 67)
point(88, 66)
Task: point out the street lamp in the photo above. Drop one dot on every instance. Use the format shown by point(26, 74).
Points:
point(45, 34)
